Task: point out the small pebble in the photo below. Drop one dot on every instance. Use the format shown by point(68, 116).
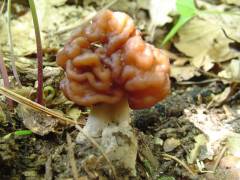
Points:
point(158, 141)
point(170, 144)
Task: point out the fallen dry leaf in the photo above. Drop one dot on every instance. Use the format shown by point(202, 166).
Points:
point(232, 71)
point(74, 113)
point(159, 11)
point(218, 99)
point(233, 145)
point(209, 121)
point(52, 17)
point(37, 122)
point(170, 144)
point(229, 168)
point(230, 165)
point(203, 39)
point(186, 72)
point(200, 141)
point(236, 2)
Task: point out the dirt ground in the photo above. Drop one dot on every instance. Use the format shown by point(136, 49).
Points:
point(28, 157)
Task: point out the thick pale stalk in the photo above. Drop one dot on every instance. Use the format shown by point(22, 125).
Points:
point(111, 125)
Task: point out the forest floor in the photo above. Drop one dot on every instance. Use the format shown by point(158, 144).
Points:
point(193, 134)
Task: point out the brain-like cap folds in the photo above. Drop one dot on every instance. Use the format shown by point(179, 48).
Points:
point(107, 60)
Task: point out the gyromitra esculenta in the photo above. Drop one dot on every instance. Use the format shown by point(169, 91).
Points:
point(109, 67)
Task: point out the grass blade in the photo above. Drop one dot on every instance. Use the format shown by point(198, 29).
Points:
point(10, 41)
point(2, 8)
point(181, 21)
point(39, 52)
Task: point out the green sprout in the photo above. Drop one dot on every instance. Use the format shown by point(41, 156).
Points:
point(18, 133)
point(187, 10)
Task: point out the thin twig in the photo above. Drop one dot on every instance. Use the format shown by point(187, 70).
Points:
point(10, 41)
point(48, 169)
point(22, 100)
point(232, 120)
point(180, 162)
point(218, 77)
point(199, 82)
point(217, 12)
point(219, 158)
point(227, 36)
point(71, 157)
point(5, 78)
point(39, 52)
point(2, 8)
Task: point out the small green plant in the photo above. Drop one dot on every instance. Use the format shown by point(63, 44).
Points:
point(148, 166)
point(19, 133)
point(186, 10)
point(48, 93)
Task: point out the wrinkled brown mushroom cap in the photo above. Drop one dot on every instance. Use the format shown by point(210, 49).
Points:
point(107, 60)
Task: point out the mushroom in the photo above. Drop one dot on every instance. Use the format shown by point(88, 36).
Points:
point(110, 68)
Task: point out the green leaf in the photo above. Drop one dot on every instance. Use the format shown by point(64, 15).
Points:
point(23, 132)
point(148, 166)
point(48, 93)
point(187, 10)
point(181, 21)
point(18, 133)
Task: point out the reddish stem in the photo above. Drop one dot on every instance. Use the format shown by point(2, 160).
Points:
point(40, 69)
point(6, 83)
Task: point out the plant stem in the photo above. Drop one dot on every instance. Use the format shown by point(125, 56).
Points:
point(39, 52)
point(3, 5)
point(12, 56)
point(6, 83)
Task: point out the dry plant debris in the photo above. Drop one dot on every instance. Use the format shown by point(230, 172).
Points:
point(206, 42)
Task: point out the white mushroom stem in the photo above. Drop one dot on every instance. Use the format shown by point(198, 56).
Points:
point(111, 124)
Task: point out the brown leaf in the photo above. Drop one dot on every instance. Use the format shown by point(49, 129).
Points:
point(37, 122)
point(204, 40)
point(181, 73)
point(232, 71)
